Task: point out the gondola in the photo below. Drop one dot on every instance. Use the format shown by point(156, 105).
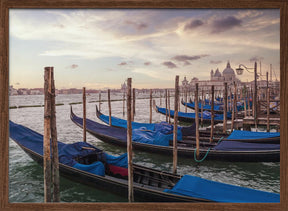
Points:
point(190, 117)
point(188, 133)
point(218, 109)
point(152, 142)
point(84, 163)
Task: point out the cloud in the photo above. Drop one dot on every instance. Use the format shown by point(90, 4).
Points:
point(169, 64)
point(73, 66)
point(183, 58)
point(137, 26)
point(123, 63)
point(215, 62)
point(193, 24)
point(225, 24)
point(17, 83)
point(256, 58)
point(186, 63)
point(147, 63)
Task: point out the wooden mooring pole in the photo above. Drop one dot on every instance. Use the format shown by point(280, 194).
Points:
point(46, 139)
point(268, 103)
point(123, 103)
point(134, 109)
point(233, 108)
point(225, 108)
point(109, 105)
point(212, 114)
point(99, 100)
point(176, 99)
point(84, 114)
point(55, 157)
point(50, 163)
point(129, 142)
point(150, 119)
point(202, 104)
point(169, 117)
point(197, 121)
point(166, 112)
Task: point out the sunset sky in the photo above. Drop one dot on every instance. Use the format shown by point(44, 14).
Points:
point(101, 48)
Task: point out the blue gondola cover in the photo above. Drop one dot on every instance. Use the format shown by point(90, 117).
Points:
point(242, 146)
point(241, 134)
point(220, 192)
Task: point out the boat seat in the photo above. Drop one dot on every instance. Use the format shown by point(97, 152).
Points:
point(116, 171)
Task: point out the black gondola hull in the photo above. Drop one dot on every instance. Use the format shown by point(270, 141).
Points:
point(116, 186)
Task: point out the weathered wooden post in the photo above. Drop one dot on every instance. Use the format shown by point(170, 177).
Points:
point(109, 106)
point(233, 108)
point(46, 139)
point(160, 98)
point(245, 99)
point(176, 99)
point(202, 104)
point(99, 100)
point(212, 114)
point(225, 108)
point(84, 114)
point(55, 157)
point(169, 118)
point(185, 94)
point(249, 108)
point(268, 104)
point(150, 119)
point(166, 112)
point(197, 121)
point(134, 100)
point(129, 142)
point(123, 103)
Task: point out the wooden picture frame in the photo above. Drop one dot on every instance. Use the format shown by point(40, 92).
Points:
point(5, 5)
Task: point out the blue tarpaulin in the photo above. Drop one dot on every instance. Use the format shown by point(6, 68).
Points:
point(162, 127)
point(67, 152)
point(242, 134)
point(151, 137)
point(117, 122)
point(242, 146)
point(220, 192)
point(206, 116)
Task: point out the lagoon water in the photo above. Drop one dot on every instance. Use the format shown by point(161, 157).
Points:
point(26, 176)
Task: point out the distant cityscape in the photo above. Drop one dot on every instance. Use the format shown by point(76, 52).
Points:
point(217, 79)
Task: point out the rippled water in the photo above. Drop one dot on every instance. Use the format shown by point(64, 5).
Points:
point(26, 176)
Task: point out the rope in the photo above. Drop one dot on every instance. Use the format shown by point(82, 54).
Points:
point(220, 140)
point(199, 161)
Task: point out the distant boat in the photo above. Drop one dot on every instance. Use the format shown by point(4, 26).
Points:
point(190, 117)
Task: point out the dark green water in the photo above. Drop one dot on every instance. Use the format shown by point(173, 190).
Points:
point(26, 176)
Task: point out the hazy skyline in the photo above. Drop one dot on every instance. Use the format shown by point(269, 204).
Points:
point(101, 48)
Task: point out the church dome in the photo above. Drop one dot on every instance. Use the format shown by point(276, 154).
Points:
point(217, 73)
point(228, 70)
